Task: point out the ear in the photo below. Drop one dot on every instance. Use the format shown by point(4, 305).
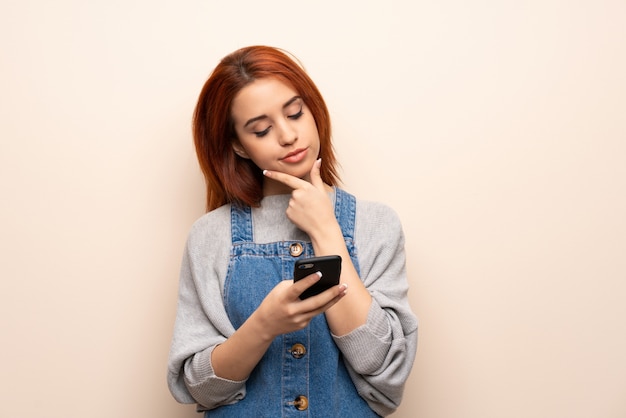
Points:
point(239, 150)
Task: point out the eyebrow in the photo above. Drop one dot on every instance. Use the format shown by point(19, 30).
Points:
point(290, 101)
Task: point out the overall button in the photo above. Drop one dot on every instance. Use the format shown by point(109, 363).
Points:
point(295, 249)
point(298, 350)
point(301, 403)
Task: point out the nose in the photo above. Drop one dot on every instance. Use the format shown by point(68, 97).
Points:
point(287, 135)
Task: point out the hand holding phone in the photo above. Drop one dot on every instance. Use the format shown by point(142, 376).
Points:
point(329, 266)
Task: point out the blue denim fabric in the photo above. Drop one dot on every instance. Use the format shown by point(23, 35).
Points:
point(280, 377)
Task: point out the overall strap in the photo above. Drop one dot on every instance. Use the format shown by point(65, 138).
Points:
point(345, 210)
point(241, 223)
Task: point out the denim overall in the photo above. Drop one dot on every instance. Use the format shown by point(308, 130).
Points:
point(302, 374)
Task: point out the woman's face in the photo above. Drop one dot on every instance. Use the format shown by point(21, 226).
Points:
point(276, 130)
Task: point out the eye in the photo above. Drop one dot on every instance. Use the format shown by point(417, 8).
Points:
point(262, 133)
point(297, 115)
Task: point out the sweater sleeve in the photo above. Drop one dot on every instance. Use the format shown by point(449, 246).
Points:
point(201, 322)
point(380, 353)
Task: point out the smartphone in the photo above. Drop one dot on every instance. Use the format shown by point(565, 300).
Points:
point(329, 266)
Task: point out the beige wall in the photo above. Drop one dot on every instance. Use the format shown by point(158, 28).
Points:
point(496, 129)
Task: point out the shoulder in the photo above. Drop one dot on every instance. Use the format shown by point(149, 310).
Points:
point(211, 225)
point(376, 214)
point(377, 226)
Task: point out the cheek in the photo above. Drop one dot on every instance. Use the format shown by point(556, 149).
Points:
point(312, 128)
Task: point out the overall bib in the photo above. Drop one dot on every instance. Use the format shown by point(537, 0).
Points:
point(302, 374)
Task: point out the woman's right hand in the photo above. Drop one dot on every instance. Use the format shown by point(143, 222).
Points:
point(282, 311)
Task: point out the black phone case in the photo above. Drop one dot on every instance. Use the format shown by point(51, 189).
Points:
point(329, 266)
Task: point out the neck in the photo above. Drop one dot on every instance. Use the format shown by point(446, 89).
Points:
point(273, 187)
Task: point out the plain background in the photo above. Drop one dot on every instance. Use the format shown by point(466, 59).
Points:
point(496, 129)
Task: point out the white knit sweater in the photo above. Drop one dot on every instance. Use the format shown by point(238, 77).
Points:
point(379, 355)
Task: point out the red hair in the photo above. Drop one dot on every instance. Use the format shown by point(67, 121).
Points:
point(230, 178)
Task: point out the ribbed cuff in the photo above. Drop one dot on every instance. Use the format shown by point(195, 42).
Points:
point(366, 347)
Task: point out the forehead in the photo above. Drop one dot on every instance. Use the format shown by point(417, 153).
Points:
point(261, 97)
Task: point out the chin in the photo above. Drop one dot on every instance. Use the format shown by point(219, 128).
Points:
point(301, 170)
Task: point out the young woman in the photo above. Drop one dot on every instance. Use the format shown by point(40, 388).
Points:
point(244, 343)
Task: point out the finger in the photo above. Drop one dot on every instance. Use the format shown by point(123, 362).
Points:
point(316, 178)
point(320, 303)
point(284, 178)
point(337, 298)
point(303, 284)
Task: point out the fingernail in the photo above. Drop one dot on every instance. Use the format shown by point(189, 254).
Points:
point(319, 273)
point(265, 172)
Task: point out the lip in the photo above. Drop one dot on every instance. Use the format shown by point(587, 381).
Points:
point(295, 156)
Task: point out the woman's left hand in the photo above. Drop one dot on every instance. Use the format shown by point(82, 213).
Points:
point(310, 207)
